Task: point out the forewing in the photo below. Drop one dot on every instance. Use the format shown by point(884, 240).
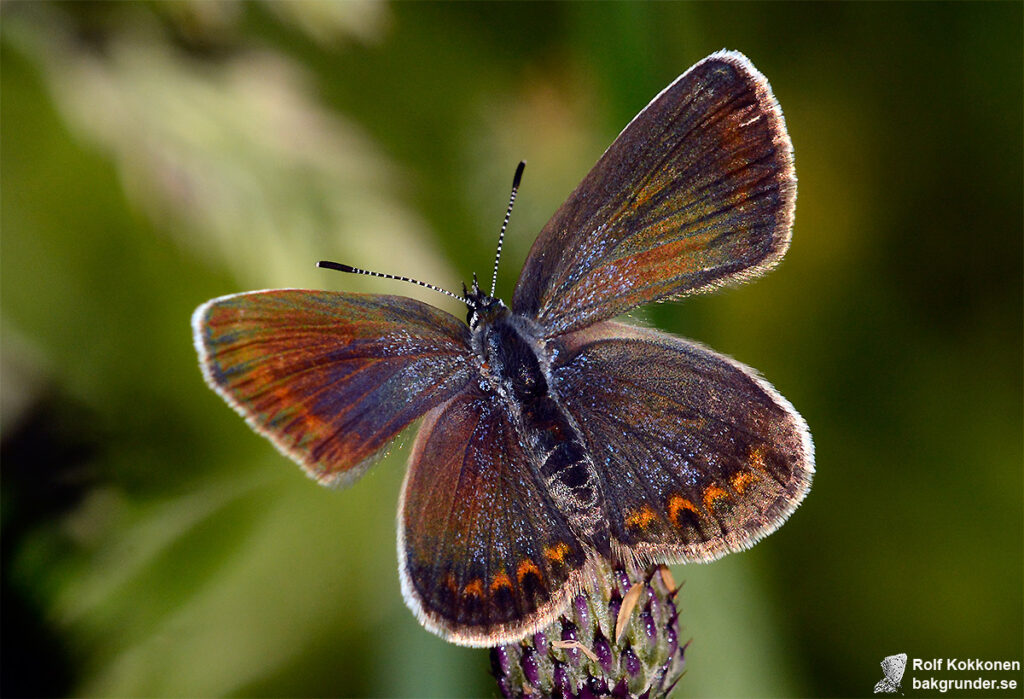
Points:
point(330, 377)
point(697, 191)
point(484, 557)
point(698, 455)
point(893, 666)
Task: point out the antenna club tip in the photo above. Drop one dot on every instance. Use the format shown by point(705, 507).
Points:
point(518, 178)
point(337, 266)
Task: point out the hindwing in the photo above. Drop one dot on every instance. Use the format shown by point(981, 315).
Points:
point(484, 556)
point(698, 455)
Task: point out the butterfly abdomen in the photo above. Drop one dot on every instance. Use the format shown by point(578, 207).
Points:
point(515, 362)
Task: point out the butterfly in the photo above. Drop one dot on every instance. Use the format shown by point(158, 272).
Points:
point(553, 436)
point(893, 667)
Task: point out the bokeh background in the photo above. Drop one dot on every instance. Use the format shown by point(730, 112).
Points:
point(155, 155)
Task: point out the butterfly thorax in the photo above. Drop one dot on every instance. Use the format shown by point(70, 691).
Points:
point(515, 365)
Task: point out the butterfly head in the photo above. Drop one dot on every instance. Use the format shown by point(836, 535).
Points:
point(483, 308)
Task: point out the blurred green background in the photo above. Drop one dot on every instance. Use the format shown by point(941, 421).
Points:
point(155, 155)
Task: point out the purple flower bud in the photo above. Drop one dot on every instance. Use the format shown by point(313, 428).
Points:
point(569, 634)
point(582, 611)
point(560, 677)
point(654, 606)
point(594, 664)
point(530, 666)
point(632, 662)
point(650, 630)
point(614, 605)
point(673, 640)
point(500, 661)
point(540, 643)
point(603, 651)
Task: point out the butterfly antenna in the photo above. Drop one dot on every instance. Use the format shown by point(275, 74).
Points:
point(508, 214)
point(325, 264)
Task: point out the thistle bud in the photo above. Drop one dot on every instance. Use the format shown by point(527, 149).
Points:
point(618, 638)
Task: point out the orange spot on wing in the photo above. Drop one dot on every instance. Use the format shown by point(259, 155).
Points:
point(449, 582)
point(556, 553)
point(641, 518)
point(525, 568)
point(475, 588)
point(741, 480)
point(676, 504)
point(501, 580)
point(757, 461)
point(711, 494)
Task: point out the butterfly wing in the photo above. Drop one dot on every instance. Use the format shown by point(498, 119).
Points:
point(330, 377)
point(885, 686)
point(696, 192)
point(698, 455)
point(893, 667)
point(483, 556)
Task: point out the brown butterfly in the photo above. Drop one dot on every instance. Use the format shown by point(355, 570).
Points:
point(553, 435)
